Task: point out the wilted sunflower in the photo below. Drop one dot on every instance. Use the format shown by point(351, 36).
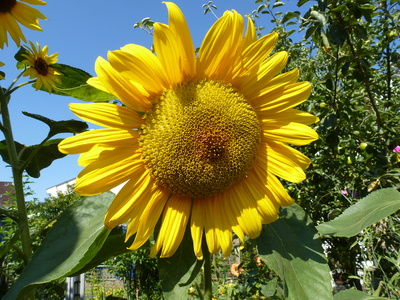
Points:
point(212, 139)
point(13, 11)
point(39, 66)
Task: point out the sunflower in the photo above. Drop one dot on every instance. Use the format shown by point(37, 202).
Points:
point(39, 66)
point(13, 11)
point(200, 140)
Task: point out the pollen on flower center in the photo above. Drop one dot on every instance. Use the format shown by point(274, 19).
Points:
point(200, 138)
point(41, 66)
point(7, 5)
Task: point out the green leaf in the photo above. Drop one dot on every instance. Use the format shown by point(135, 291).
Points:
point(291, 248)
point(19, 55)
point(352, 294)
point(290, 15)
point(71, 243)
point(277, 4)
point(113, 246)
point(318, 16)
point(338, 34)
point(73, 84)
point(178, 272)
point(64, 126)
point(369, 210)
point(47, 153)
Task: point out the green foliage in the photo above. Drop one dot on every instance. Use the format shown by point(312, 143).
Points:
point(72, 242)
point(364, 213)
point(290, 247)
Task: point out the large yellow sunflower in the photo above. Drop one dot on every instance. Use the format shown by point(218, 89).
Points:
point(199, 140)
point(13, 11)
point(39, 66)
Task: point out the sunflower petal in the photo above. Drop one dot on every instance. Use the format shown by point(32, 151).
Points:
point(120, 86)
point(149, 217)
point(221, 47)
point(84, 141)
point(175, 218)
point(107, 115)
point(133, 192)
point(109, 170)
point(177, 24)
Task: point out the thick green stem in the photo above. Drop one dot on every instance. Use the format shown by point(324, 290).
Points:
point(17, 173)
point(207, 276)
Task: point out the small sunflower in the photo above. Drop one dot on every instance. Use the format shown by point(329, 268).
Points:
point(200, 140)
point(13, 11)
point(39, 66)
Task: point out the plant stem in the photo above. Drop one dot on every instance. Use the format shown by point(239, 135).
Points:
point(207, 275)
point(17, 176)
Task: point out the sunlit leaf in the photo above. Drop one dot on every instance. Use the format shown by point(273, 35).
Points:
point(291, 248)
point(71, 243)
point(369, 210)
point(73, 84)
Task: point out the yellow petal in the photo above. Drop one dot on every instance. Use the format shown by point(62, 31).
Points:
point(120, 86)
point(149, 217)
point(287, 116)
point(175, 218)
point(281, 163)
point(107, 115)
point(197, 226)
point(137, 190)
point(251, 34)
point(249, 220)
point(84, 141)
point(168, 50)
point(177, 24)
point(273, 187)
point(293, 133)
point(253, 55)
point(266, 207)
point(253, 84)
point(223, 225)
point(284, 98)
point(221, 46)
point(109, 170)
point(140, 66)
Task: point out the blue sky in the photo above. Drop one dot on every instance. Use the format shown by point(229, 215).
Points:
point(80, 31)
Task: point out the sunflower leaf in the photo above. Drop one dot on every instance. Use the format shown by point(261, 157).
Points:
point(44, 156)
point(64, 126)
point(179, 271)
point(369, 210)
point(291, 248)
point(71, 244)
point(73, 84)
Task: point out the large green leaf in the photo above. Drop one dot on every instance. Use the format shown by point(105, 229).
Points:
point(71, 244)
point(178, 272)
point(291, 248)
point(355, 295)
point(367, 211)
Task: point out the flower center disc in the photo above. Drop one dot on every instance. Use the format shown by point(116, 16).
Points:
point(200, 138)
point(7, 5)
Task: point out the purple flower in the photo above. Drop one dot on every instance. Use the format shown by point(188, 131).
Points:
point(397, 149)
